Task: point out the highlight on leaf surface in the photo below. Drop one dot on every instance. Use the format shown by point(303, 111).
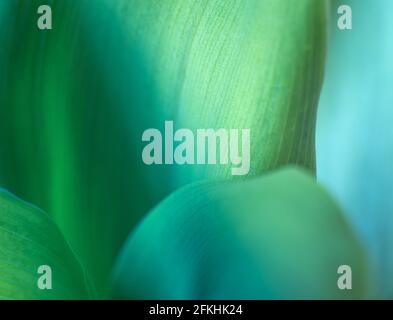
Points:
point(276, 236)
point(29, 239)
point(254, 64)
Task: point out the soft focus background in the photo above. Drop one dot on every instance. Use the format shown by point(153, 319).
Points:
point(355, 132)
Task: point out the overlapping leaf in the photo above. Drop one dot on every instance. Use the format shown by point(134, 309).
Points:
point(276, 236)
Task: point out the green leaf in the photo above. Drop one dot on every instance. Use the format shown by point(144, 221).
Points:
point(276, 236)
point(254, 64)
point(28, 240)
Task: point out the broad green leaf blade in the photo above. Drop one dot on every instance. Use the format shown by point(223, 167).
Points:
point(254, 64)
point(29, 239)
point(276, 236)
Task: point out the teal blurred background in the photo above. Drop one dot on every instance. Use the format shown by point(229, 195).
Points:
point(355, 133)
